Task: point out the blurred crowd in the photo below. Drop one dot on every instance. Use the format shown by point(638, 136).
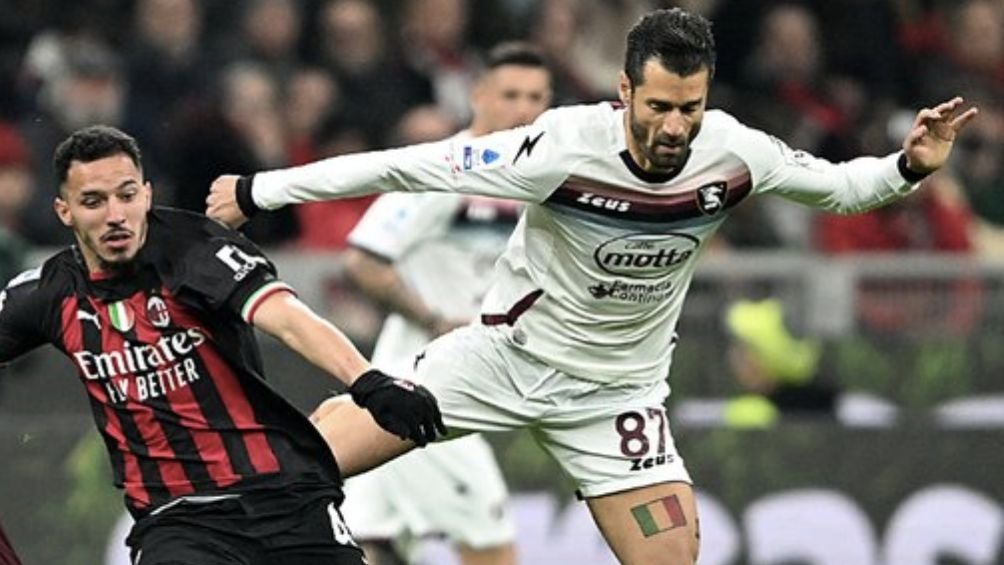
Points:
point(214, 86)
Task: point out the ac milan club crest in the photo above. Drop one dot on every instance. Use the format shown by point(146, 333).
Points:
point(156, 312)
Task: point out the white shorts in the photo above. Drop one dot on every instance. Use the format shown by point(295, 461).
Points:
point(452, 489)
point(609, 437)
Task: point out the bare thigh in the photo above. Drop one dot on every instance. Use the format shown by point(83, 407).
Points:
point(653, 525)
point(497, 555)
point(357, 441)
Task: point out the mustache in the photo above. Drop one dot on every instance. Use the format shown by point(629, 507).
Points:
point(670, 141)
point(115, 233)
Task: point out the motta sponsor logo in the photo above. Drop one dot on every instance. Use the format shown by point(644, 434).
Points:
point(138, 358)
point(644, 255)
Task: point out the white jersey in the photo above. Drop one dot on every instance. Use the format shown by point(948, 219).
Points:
point(594, 276)
point(444, 247)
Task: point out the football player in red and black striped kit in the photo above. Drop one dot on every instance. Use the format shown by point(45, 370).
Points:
point(155, 308)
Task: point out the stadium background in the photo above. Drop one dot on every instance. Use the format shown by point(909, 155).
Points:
point(908, 302)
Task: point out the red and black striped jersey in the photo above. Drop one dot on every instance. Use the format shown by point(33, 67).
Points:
point(168, 358)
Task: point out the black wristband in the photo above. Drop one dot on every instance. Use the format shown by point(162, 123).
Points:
point(243, 196)
point(911, 176)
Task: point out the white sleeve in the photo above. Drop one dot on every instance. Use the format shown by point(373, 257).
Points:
point(525, 163)
point(847, 188)
point(395, 222)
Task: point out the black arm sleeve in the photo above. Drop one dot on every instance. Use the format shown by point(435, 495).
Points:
point(227, 270)
point(24, 313)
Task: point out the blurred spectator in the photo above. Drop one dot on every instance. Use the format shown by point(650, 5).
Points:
point(435, 45)
point(82, 84)
point(15, 190)
point(241, 130)
point(777, 371)
point(424, 124)
point(17, 26)
point(792, 94)
point(556, 29)
point(979, 165)
point(270, 36)
point(856, 36)
point(787, 90)
point(935, 219)
point(167, 69)
point(312, 97)
point(376, 88)
point(972, 59)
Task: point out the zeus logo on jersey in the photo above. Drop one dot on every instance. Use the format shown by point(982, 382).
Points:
point(604, 202)
point(640, 463)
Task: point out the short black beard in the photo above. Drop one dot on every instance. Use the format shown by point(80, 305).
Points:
point(639, 133)
point(120, 268)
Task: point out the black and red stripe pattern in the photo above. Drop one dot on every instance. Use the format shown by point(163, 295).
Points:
point(178, 423)
point(172, 371)
point(694, 198)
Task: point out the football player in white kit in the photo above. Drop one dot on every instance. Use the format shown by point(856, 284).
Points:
point(427, 258)
point(578, 329)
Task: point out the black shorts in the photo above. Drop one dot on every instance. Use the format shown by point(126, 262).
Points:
point(243, 531)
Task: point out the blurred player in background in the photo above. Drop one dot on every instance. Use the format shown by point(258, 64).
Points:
point(427, 259)
point(155, 307)
point(578, 330)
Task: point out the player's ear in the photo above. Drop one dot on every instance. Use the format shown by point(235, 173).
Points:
point(148, 194)
point(62, 211)
point(624, 89)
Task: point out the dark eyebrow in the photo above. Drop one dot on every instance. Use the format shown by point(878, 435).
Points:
point(687, 104)
point(96, 192)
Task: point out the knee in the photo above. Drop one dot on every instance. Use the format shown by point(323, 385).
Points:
point(329, 407)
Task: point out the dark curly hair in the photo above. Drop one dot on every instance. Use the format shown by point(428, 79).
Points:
point(92, 143)
point(682, 42)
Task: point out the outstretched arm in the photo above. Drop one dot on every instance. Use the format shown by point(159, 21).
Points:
point(525, 164)
point(860, 184)
point(401, 407)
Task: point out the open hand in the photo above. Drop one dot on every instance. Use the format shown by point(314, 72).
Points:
point(930, 140)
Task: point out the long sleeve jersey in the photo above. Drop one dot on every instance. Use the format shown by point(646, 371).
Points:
point(593, 279)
